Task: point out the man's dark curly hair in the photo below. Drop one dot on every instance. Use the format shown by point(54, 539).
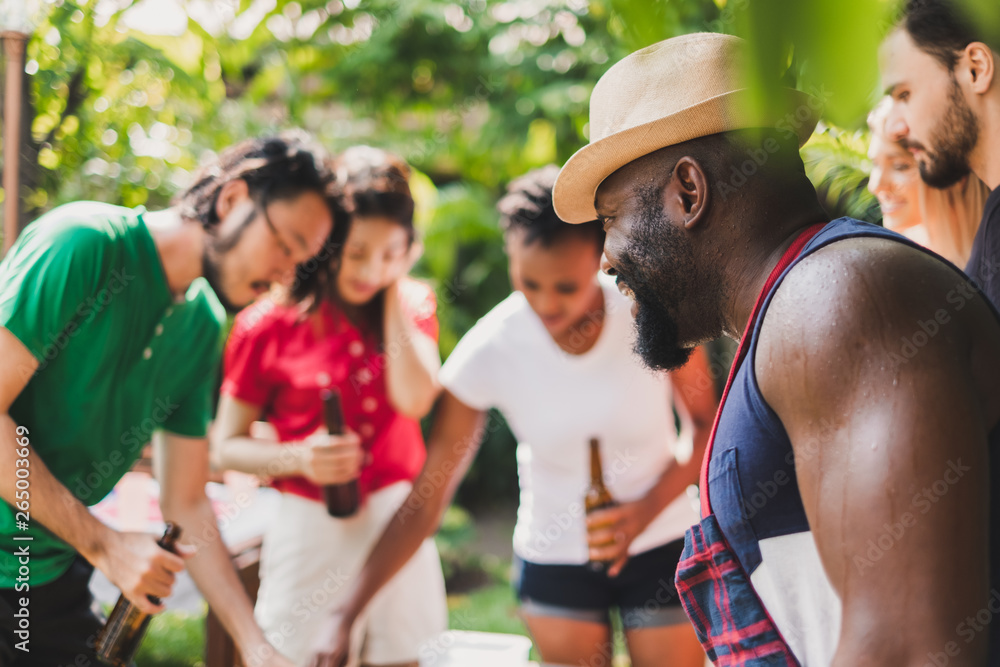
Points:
point(528, 206)
point(275, 168)
point(943, 28)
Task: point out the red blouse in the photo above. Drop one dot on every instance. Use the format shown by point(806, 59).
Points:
point(280, 361)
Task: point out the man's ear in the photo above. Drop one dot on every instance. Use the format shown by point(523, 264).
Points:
point(232, 194)
point(981, 62)
point(686, 197)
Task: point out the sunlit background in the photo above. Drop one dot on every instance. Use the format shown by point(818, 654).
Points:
point(123, 99)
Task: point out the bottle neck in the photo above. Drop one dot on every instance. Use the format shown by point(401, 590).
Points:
point(596, 472)
point(170, 537)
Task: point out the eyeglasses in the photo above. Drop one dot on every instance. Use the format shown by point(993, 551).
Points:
point(284, 247)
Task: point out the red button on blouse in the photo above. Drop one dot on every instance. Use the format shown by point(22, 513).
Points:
point(279, 360)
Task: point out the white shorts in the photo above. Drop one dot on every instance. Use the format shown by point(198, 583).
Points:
point(308, 558)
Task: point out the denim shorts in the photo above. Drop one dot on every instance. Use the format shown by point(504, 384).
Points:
point(643, 591)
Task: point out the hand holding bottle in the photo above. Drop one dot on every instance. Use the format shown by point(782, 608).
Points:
point(331, 459)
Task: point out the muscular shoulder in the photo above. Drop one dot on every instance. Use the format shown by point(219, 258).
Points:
point(862, 306)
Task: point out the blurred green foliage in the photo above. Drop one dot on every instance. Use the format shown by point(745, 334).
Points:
point(127, 97)
point(174, 639)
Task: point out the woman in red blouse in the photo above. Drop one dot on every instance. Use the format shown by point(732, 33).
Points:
point(352, 321)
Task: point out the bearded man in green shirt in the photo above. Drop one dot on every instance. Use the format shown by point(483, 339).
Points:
point(110, 326)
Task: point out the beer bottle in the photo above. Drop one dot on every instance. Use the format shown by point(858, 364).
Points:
point(598, 497)
point(342, 500)
point(119, 639)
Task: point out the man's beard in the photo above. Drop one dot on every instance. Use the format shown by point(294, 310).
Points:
point(657, 266)
point(210, 262)
point(953, 139)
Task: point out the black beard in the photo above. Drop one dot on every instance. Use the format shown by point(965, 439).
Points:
point(954, 139)
point(210, 271)
point(657, 266)
point(656, 340)
point(211, 259)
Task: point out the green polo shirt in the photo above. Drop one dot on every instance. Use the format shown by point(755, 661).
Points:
point(119, 358)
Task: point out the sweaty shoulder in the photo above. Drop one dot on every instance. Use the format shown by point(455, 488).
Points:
point(864, 303)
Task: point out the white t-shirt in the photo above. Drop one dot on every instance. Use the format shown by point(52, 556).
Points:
point(554, 403)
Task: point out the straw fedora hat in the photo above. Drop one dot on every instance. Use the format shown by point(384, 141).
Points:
point(673, 91)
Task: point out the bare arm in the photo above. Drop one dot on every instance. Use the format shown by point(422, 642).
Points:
point(412, 360)
point(694, 398)
point(321, 458)
point(131, 561)
point(458, 430)
point(874, 430)
point(182, 467)
point(696, 403)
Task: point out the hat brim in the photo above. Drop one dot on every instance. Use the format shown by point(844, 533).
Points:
point(577, 183)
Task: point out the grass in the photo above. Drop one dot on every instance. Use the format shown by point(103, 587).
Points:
point(489, 609)
point(174, 639)
point(481, 599)
point(177, 639)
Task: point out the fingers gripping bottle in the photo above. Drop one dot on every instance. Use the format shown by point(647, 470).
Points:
point(119, 639)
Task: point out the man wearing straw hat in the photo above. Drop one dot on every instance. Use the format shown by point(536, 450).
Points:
point(847, 515)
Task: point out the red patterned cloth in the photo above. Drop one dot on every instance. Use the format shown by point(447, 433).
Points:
point(280, 361)
point(730, 621)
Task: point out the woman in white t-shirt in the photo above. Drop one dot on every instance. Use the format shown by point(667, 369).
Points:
point(555, 359)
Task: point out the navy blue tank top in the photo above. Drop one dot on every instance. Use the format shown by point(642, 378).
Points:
point(751, 475)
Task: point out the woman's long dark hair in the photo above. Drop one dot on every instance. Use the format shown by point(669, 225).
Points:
point(369, 182)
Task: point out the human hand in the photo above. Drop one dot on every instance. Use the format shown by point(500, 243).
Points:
point(333, 644)
point(331, 459)
point(140, 567)
point(264, 655)
point(611, 531)
point(402, 268)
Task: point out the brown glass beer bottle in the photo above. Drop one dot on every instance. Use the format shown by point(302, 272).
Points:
point(342, 500)
point(119, 639)
point(598, 497)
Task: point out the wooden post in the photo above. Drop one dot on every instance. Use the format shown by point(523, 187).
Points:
point(14, 44)
point(220, 651)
